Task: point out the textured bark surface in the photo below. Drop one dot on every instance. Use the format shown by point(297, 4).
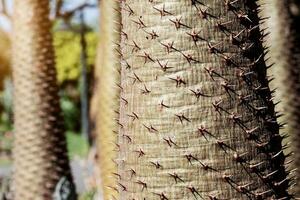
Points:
point(269, 27)
point(40, 156)
point(284, 50)
point(106, 97)
point(275, 27)
point(196, 118)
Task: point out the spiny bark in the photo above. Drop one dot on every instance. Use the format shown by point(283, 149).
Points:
point(268, 26)
point(196, 118)
point(273, 25)
point(40, 155)
point(284, 50)
point(106, 95)
point(290, 51)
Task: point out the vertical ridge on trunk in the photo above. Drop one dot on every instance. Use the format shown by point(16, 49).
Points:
point(106, 98)
point(273, 24)
point(40, 155)
point(197, 118)
point(284, 50)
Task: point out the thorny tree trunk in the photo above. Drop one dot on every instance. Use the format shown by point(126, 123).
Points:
point(105, 101)
point(283, 40)
point(269, 28)
point(196, 118)
point(282, 49)
point(40, 155)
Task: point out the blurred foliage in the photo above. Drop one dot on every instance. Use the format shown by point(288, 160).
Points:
point(6, 107)
point(90, 195)
point(71, 113)
point(67, 47)
point(70, 105)
point(77, 145)
point(6, 138)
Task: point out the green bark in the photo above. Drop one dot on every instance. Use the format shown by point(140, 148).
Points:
point(196, 118)
point(40, 158)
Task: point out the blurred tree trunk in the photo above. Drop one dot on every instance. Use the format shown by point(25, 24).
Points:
point(41, 167)
point(84, 85)
point(196, 115)
point(5, 49)
point(105, 102)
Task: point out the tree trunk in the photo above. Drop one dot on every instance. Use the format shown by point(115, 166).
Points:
point(283, 41)
point(196, 117)
point(5, 49)
point(40, 157)
point(281, 53)
point(105, 101)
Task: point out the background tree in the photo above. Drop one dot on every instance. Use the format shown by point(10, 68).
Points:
point(5, 49)
point(196, 116)
point(105, 102)
point(68, 71)
point(40, 159)
point(4, 57)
